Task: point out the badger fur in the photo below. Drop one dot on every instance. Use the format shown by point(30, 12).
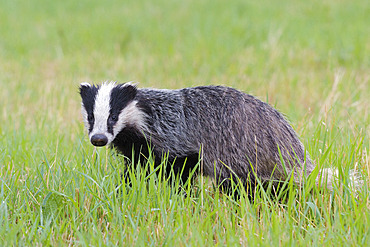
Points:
point(234, 134)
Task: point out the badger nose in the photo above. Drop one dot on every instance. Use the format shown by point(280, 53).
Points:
point(99, 140)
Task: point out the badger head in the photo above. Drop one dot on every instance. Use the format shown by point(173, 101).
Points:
point(109, 108)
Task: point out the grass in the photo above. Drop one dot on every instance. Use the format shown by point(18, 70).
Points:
point(311, 60)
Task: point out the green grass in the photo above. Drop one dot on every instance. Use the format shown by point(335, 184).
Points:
point(309, 59)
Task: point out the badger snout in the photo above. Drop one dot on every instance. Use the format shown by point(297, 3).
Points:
point(99, 140)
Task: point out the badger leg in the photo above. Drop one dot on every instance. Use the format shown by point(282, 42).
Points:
point(183, 167)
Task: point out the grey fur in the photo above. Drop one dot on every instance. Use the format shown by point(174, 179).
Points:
point(232, 127)
point(239, 135)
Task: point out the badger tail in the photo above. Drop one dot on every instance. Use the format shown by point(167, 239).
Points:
point(328, 176)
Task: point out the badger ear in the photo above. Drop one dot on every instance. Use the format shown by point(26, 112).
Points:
point(87, 89)
point(85, 84)
point(130, 83)
point(129, 88)
point(124, 92)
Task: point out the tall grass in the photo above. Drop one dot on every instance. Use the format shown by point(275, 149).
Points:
point(308, 59)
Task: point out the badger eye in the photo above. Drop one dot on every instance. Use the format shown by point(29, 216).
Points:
point(113, 117)
point(90, 118)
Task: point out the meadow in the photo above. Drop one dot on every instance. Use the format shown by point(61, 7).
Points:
point(309, 59)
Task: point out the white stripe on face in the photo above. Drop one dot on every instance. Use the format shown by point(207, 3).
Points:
point(101, 111)
point(130, 115)
point(84, 116)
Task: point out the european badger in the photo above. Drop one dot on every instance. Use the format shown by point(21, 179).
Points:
point(235, 134)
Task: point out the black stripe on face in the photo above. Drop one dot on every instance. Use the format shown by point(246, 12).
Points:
point(88, 95)
point(120, 97)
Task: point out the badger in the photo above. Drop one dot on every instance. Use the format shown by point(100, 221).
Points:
point(233, 135)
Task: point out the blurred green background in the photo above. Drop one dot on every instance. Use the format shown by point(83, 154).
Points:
point(286, 52)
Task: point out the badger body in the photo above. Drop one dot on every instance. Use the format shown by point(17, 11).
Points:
point(234, 134)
